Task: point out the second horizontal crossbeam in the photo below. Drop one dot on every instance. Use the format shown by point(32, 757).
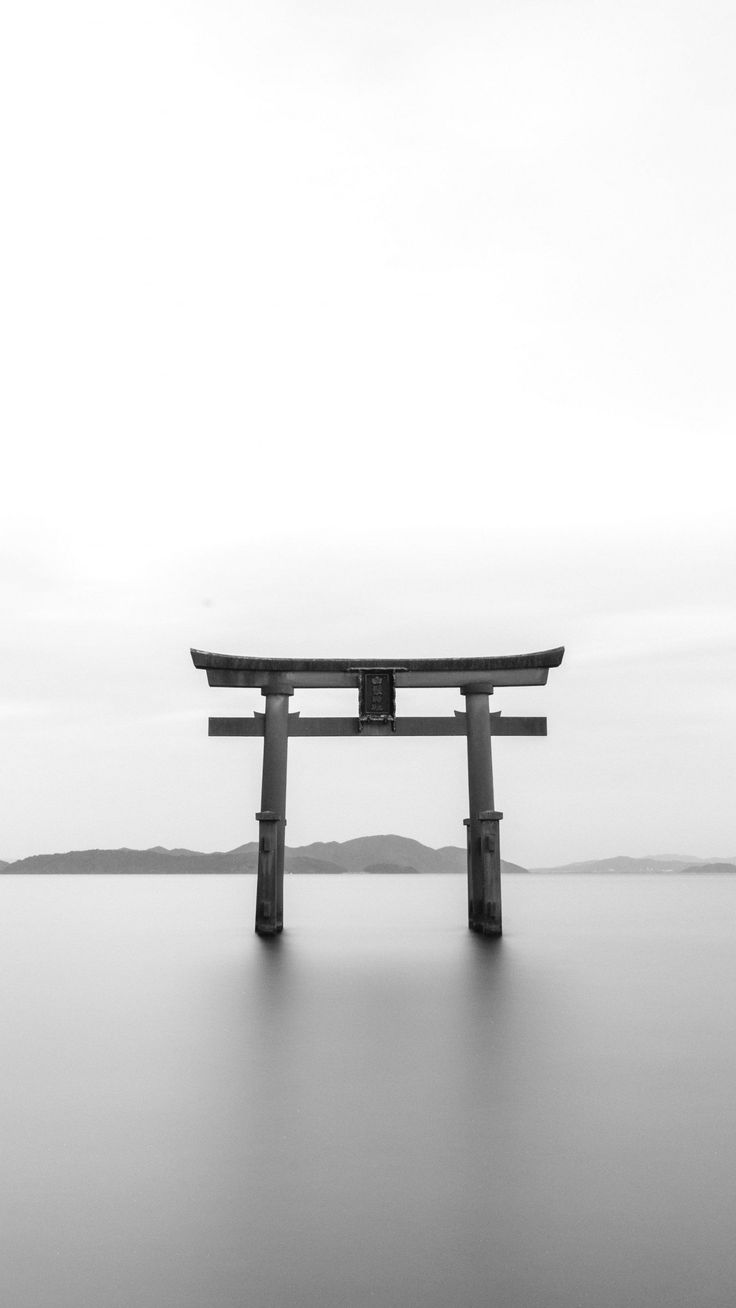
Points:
point(455, 726)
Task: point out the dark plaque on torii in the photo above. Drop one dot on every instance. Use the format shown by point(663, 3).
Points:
point(377, 697)
point(377, 681)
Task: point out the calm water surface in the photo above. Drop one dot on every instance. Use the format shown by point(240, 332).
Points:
point(377, 1109)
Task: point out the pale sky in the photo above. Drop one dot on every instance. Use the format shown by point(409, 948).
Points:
point(391, 330)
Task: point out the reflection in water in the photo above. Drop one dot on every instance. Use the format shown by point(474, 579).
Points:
point(378, 1108)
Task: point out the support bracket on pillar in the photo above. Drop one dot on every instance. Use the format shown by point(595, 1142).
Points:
point(276, 687)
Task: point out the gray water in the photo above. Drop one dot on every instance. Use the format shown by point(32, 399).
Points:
point(376, 1109)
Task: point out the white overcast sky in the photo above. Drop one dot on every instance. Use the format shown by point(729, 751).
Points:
point(386, 330)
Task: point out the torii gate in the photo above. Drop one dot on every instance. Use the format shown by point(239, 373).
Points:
point(377, 681)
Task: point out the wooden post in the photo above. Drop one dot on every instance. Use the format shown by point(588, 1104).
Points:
point(272, 817)
point(484, 860)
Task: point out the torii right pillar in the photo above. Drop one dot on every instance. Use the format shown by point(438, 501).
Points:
point(484, 851)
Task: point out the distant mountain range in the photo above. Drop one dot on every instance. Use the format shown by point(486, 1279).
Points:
point(652, 863)
point(380, 855)
point(377, 854)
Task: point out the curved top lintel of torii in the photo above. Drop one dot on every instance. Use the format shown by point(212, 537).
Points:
point(498, 670)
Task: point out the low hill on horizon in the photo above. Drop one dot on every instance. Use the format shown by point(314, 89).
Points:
point(711, 867)
point(375, 855)
point(380, 855)
point(650, 863)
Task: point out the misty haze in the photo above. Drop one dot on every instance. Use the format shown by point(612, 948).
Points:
point(360, 945)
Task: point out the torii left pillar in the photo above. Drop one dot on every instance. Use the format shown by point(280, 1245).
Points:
point(484, 854)
point(272, 817)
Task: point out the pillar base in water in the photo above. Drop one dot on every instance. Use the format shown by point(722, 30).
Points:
point(488, 926)
point(270, 882)
point(484, 873)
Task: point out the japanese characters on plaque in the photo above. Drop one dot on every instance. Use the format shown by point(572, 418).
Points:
point(377, 696)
